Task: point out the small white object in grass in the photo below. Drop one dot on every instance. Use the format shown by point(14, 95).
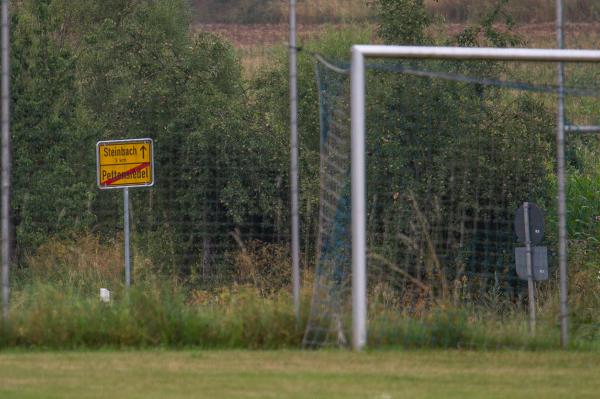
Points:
point(104, 295)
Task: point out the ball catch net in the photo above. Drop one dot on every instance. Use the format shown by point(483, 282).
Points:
point(453, 150)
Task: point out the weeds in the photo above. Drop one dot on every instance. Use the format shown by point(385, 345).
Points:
point(55, 304)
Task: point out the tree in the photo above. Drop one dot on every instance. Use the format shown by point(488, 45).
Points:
point(51, 190)
point(457, 158)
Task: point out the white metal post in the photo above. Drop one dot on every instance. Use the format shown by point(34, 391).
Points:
point(294, 163)
point(359, 206)
point(477, 53)
point(6, 161)
point(562, 198)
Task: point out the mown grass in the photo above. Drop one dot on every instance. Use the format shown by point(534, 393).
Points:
point(292, 374)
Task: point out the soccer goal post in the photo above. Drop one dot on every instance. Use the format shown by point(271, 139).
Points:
point(359, 152)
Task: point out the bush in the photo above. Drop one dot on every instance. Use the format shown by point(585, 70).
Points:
point(52, 174)
point(140, 73)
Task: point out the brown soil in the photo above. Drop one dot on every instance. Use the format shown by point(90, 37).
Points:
point(244, 36)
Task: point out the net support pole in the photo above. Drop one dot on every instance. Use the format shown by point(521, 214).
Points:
point(562, 201)
point(126, 237)
point(6, 162)
point(359, 206)
point(294, 179)
point(529, 264)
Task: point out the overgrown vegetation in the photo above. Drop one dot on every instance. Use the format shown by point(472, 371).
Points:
point(110, 69)
point(210, 239)
point(450, 165)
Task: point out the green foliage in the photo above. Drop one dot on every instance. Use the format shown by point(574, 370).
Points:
point(44, 315)
point(402, 21)
point(268, 89)
point(486, 34)
point(52, 173)
point(451, 161)
point(119, 69)
point(583, 195)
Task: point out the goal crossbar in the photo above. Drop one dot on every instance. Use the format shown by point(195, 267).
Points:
point(358, 152)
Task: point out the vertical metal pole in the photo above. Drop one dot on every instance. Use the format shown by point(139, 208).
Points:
point(562, 201)
point(126, 234)
point(528, 262)
point(359, 205)
point(294, 162)
point(6, 160)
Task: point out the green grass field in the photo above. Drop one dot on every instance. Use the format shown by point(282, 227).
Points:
point(295, 374)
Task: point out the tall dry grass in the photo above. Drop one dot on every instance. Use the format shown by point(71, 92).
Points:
point(56, 305)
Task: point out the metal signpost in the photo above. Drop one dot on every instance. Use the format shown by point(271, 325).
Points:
point(531, 262)
point(529, 227)
point(124, 164)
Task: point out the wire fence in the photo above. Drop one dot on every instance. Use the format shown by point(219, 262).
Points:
point(218, 213)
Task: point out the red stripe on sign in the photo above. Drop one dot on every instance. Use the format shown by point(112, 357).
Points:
point(125, 174)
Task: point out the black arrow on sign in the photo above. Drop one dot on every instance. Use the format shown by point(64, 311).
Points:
point(143, 149)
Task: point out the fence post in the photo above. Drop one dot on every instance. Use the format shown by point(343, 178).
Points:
point(294, 162)
point(562, 201)
point(6, 161)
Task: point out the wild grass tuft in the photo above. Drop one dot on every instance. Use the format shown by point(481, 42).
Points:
point(149, 315)
point(55, 304)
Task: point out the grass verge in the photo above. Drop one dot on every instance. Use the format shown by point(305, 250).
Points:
point(276, 374)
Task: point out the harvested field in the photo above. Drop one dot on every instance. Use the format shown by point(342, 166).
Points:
point(258, 43)
point(243, 36)
point(260, 35)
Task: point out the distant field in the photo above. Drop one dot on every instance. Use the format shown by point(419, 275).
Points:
point(257, 44)
point(285, 374)
point(535, 35)
point(260, 11)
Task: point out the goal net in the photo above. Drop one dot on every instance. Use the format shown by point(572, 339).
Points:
point(453, 149)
